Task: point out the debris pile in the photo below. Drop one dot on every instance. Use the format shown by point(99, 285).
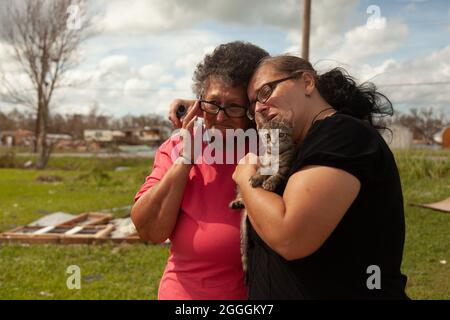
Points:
point(63, 228)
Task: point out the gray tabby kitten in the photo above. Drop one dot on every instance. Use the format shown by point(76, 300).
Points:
point(286, 153)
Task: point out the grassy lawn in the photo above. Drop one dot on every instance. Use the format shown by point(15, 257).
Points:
point(89, 184)
point(426, 178)
point(133, 271)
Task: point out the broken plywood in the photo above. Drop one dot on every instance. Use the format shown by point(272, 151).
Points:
point(90, 218)
point(53, 219)
point(443, 205)
point(86, 228)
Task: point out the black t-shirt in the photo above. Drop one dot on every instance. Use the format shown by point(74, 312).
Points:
point(371, 233)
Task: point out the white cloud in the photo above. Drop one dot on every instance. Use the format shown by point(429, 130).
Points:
point(149, 51)
point(157, 17)
point(392, 77)
point(114, 63)
point(136, 86)
point(408, 83)
point(170, 32)
point(140, 16)
point(166, 78)
point(6, 51)
point(151, 71)
point(363, 42)
point(189, 62)
point(123, 84)
point(120, 88)
point(155, 73)
point(328, 21)
point(154, 16)
point(7, 60)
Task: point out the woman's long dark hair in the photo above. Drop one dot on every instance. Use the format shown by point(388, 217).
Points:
point(339, 89)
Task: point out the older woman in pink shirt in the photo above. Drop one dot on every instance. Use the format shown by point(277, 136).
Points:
point(187, 201)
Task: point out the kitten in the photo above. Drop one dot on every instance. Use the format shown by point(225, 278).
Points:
point(286, 153)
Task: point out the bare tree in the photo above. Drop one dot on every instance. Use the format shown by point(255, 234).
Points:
point(95, 119)
point(45, 36)
point(424, 123)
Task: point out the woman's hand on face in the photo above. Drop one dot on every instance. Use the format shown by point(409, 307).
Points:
point(246, 168)
point(187, 132)
point(187, 104)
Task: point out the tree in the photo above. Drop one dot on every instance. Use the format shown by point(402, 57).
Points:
point(75, 125)
point(96, 120)
point(424, 123)
point(44, 36)
point(58, 124)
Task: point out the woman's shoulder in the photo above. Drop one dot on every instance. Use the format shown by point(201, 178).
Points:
point(345, 123)
point(342, 127)
point(341, 141)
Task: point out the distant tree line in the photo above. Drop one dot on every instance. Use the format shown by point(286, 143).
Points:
point(75, 123)
point(424, 123)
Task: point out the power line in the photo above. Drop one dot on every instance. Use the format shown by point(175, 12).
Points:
point(437, 83)
point(405, 84)
point(380, 85)
point(427, 22)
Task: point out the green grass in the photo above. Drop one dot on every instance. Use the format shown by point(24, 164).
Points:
point(425, 179)
point(89, 184)
point(133, 271)
point(107, 271)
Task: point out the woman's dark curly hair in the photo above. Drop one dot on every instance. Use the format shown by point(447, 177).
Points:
point(339, 89)
point(233, 63)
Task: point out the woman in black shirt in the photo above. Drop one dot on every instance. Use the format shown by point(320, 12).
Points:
point(335, 229)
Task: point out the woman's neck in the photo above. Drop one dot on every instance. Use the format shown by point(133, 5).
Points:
point(319, 114)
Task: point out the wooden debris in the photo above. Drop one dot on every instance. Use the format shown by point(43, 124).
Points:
point(443, 205)
point(86, 228)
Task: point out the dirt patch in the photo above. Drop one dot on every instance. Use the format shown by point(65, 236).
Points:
point(49, 178)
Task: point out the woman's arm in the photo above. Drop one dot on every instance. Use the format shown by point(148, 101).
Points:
point(155, 213)
point(297, 224)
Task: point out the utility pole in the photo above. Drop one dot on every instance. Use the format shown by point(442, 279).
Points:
point(306, 28)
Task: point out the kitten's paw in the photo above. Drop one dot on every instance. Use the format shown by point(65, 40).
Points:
point(236, 204)
point(256, 181)
point(269, 185)
point(272, 183)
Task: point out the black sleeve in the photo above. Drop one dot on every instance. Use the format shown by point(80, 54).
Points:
point(342, 142)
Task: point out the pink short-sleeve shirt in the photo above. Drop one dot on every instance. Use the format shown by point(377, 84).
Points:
point(204, 257)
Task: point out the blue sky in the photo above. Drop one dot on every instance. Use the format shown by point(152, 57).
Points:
point(147, 50)
point(428, 22)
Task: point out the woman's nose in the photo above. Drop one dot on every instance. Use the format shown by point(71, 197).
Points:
point(260, 107)
point(221, 115)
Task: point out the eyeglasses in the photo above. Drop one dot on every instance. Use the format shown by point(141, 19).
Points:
point(267, 89)
point(232, 110)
